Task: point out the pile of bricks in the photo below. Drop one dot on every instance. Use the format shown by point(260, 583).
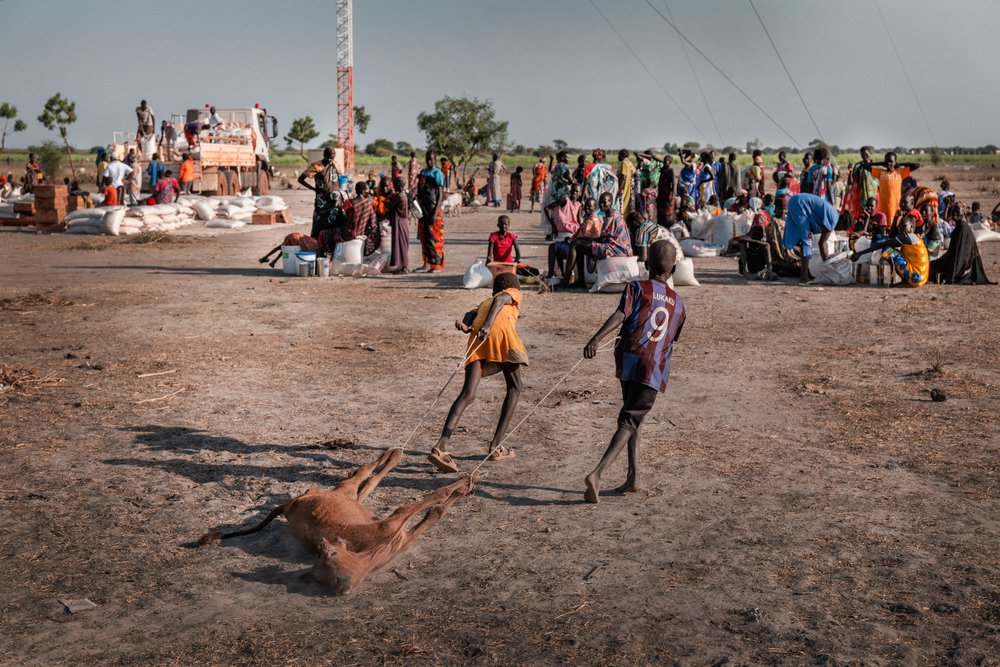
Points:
point(51, 202)
point(280, 217)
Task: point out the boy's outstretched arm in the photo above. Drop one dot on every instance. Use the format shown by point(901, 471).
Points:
point(499, 301)
point(613, 322)
point(465, 324)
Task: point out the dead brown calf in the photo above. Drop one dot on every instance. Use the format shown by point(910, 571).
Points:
point(350, 540)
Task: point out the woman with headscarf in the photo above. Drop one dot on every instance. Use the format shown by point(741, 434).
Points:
point(705, 180)
point(665, 193)
point(600, 178)
point(687, 180)
point(824, 176)
point(430, 188)
point(399, 213)
point(649, 178)
point(494, 170)
point(961, 264)
point(861, 185)
point(558, 188)
point(626, 173)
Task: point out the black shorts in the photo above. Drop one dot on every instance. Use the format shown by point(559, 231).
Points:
point(637, 401)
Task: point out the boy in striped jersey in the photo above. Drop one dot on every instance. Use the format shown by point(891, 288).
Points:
point(651, 316)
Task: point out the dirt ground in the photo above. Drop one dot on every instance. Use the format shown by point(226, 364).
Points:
point(804, 502)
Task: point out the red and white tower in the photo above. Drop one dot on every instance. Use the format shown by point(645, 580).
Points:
point(345, 82)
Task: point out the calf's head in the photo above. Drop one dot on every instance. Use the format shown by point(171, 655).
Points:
point(338, 567)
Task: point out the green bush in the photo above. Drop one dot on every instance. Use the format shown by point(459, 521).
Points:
point(50, 156)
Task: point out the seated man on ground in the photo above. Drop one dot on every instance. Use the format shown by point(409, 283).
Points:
point(755, 255)
point(565, 216)
point(961, 264)
point(589, 227)
point(613, 242)
point(975, 216)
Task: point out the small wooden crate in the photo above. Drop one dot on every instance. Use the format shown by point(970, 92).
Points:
point(263, 218)
point(502, 267)
point(285, 216)
point(76, 203)
point(24, 208)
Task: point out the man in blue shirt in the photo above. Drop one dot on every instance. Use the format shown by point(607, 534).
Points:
point(807, 215)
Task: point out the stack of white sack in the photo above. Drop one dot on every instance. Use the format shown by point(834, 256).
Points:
point(110, 221)
point(161, 217)
point(233, 212)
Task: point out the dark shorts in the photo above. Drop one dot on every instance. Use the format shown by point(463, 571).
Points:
point(637, 401)
point(562, 249)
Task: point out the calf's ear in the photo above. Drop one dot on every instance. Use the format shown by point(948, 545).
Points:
point(328, 549)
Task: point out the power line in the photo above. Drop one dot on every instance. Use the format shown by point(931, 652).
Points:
point(697, 80)
point(782, 61)
point(905, 73)
point(724, 75)
point(649, 72)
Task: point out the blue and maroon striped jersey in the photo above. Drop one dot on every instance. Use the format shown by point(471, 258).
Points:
point(654, 315)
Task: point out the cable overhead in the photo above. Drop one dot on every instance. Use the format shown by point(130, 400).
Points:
point(649, 72)
point(697, 79)
point(905, 73)
point(785, 67)
point(724, 75)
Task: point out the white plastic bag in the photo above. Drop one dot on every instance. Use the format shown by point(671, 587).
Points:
point(83, 229)
point(985, 235)
point(203, 210)
point(837, 270)
point(112, 220)
point(385, 230)
point(700, 228)
point(697, 248)
point(219, 223)
point(477, 276)
point(684, 273)
point(349, 252)
point(85, 213)
point(614, 272)
point(721, 230)
point(374, 263)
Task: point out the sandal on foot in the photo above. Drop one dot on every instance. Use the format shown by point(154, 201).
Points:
point(442, 461)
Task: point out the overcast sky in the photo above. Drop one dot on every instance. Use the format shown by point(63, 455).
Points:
point(553, 68)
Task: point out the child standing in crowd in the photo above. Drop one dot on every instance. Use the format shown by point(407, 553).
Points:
point(651, 316)
point(493, 347)
point(514, 196)
point(502, 245)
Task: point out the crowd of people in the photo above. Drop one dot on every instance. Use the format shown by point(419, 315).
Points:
point(598, 210)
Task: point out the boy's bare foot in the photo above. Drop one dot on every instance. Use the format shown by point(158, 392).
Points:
point(501, 454)
point(593, 493)
point(442, 460)
point(628, 487)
